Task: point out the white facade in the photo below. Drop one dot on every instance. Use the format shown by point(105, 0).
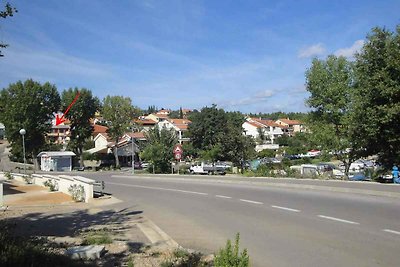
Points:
point(270, 129)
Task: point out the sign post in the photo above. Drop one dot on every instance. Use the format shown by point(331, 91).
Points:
point(178, 151)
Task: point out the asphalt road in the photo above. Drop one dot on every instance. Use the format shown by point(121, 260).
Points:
point(279, 226)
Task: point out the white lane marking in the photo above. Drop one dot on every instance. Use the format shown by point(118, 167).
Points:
point(337, 219)
point(160, 188)
point(221, 196)
point(284, 208)
point(391, 231)
point(251, 201)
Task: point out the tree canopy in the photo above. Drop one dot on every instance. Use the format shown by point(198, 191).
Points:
point(8, 11)
point(330, 84)
point(80, 114)
point(159, 149)
point(118, 112)
point(29, 105)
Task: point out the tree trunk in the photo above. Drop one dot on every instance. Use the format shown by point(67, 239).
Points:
point(116, 157)
point(80, 158)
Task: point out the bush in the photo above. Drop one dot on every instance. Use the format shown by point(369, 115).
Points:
point(51, 184)
point(8, 175)
point(77, 192)
point(229, 256)
point(28, 179)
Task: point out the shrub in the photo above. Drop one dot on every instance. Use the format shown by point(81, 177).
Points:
point(8, 175)
point(51, 184)
point(230, 257)
point(28, 179)
point(77, 192)
point(97, 237)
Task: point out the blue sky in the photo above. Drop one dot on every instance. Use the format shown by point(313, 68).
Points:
point(249, 56)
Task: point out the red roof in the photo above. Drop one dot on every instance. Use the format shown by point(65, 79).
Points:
point(145, 122)
point(136, 135)
point(266, 122)
point(182, 124)
point(254, 124)
point(290, 122)
point(99, 129)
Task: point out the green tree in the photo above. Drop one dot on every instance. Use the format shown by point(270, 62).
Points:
point(8, 11)
point(377, 96)
point(118, 111)
point(159, 150)
point(29, 105)
point(219, 135)
point(330, 83)
point(80, 114)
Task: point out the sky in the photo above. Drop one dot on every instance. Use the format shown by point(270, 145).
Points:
point(248, 56)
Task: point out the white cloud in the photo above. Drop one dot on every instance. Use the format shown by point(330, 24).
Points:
point(311, 51)
point(350, 51)
point(258, 97)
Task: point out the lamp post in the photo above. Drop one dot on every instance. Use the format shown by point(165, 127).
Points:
point(133, 153)
point(23, 132)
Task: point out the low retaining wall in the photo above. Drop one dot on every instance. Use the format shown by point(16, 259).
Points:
point(61, 183)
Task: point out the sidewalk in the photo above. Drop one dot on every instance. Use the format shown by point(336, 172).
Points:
point(36, 212)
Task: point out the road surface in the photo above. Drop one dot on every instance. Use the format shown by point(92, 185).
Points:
point(279, 226)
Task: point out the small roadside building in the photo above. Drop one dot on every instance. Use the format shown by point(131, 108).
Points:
point(56, 160)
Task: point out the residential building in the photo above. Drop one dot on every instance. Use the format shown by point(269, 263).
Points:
point(292, 126)
point(98, 129)
point(156, 117)
point(254, 126)
point(180, 126)
point(145, 124)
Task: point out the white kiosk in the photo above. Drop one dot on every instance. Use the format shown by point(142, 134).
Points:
point(56, 160)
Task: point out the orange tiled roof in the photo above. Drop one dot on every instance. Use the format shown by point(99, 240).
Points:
point(266, 122)
point(182, 124)
point(290, 122)
point(99, 129)
point(145, 122)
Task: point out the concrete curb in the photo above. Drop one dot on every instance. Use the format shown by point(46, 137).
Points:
point(156, 236)
point(283, 185)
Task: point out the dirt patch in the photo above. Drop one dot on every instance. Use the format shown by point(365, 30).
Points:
point(43, 199)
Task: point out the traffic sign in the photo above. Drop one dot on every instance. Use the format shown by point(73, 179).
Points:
point(178, 149)
point(178, 156)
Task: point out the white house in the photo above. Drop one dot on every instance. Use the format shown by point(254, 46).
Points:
point(180, 126)
point(253, 126)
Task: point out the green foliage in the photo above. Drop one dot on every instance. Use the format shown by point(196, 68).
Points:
point(28, 179)
point(266, 153)
point(297, 144)
point(119, 112)
point(8, 11)
point(80, 114)
point(29, 105)
point(97, 237)
point(330, 83)
point(22, 251)
point(377, 96)
point(214, 130)
point(52, 184)
point(230, 257)
point(8, 175)
point(182, 258)
point(159, 150)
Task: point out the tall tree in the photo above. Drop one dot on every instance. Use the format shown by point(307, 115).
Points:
point(220, 134)
point(29, 105)
point(330, 83)
point(159, 150)
point(8, 11)
point(377, 96)
point(118, 111)
point(80, 114)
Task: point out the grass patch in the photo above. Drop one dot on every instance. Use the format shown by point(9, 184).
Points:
point(97, 237)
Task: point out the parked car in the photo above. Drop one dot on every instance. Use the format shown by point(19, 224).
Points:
point(145, 165)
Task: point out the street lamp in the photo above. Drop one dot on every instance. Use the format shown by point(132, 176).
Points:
point(23, 132)
point(133, 153)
